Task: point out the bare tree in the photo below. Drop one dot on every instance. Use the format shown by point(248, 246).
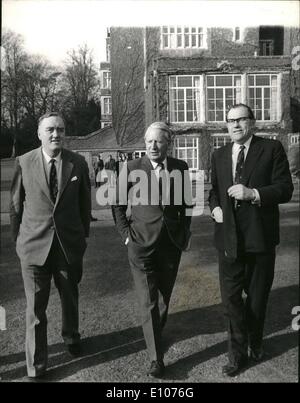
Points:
point(81, 84)
point(127, 56)
point(12, 76)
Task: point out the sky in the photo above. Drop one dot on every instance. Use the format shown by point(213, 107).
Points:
point(52, 27)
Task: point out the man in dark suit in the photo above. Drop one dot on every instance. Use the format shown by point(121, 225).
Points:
point(250, 177)
point(156, 232)
point(50, 218)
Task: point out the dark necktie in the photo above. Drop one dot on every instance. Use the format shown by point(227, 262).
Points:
point(160, 180)
point(53, 181)
point(239, 166)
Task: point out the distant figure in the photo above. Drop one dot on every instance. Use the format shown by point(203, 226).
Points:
point(99, 169)
point(50, 219)
point(110, 168)
point(250, 177)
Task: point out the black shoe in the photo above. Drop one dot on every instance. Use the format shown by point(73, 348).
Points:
point(74, 349)
point(36, 379)
point(232, 369)
point(157, 369)
point(93, 218)
point(256, 354)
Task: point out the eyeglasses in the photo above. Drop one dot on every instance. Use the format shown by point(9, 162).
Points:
point(242, 119)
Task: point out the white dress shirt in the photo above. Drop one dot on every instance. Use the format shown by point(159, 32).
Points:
point(217, 213)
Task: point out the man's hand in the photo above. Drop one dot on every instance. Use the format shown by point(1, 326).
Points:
point(217, 215)
point(241, 192)
point(127, 240)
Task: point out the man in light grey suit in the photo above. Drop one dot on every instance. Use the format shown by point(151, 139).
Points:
point(50, 218)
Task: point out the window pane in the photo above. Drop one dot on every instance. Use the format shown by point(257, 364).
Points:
point(211, 105)
point(258, 115)
point(210, 81)
point(210, 94)
point(258, 92)
point(219, 105)
point(185, 81)
point(186, 41)
point(189, 116)
point(224, 81)
point(193, 40)
point(219, 93)
point(180, 116)
point(219, 116)
point(172, 81)
point(211, 116)
point(262, 80)
point(251, 80)
point(179, 41)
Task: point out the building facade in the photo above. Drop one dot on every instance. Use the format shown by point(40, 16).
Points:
point(190, 76)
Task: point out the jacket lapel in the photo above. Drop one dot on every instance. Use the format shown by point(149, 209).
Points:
point(66, 170)
point(39, 172)
point(254, 153)
point(226, 166)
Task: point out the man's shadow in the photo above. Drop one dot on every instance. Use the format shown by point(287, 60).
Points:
point(181, 326)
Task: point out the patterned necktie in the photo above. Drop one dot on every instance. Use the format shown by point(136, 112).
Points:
point(53, 181)
point(239, 166)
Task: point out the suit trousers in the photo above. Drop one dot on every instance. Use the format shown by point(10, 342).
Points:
point(37, 284)
point(251, 273)
point(154, 276)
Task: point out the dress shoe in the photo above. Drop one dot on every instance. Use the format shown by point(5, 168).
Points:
point(94, 218)
point(36, 379)
point(256, 354)
point(157, 369)
point(74, 349)
point(233, 368)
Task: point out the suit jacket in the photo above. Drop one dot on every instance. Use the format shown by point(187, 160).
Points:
point(267, 170)
point(145, 222)
point(34, 217)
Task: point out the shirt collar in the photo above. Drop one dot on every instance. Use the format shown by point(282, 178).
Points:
point(155, 164)
point(236, 146)
point(48, 158)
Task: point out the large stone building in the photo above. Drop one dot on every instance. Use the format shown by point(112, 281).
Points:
point(189, 76)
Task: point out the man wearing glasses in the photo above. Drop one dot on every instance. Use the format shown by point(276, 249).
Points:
point(250, 177)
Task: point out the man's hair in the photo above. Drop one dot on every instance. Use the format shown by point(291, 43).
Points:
point(48, 115)
point(250, 112)
point(160, 126)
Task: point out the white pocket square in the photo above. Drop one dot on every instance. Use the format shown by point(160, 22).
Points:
point(74, 178)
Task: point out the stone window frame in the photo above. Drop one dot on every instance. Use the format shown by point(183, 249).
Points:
point(105, 104)
point(196, 93)
point(220, 140)
point(241, 34)
point(180, 151)
point(183, 37)
point(106, 81)
point(237, 95)
point(273, 90)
